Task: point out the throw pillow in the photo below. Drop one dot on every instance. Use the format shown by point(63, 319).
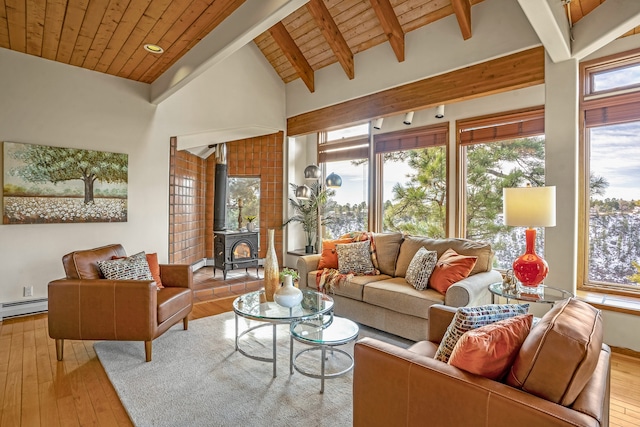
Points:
point(420, 268)
point(154, 267)
point(468, 318)
point(329, 256)
point(451, 268)
point(490, 350)
point(355, 258)
point(134, 267)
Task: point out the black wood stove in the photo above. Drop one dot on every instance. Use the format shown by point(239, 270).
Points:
point(235, 249)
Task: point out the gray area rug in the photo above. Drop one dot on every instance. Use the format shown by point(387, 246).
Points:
point(197, 378)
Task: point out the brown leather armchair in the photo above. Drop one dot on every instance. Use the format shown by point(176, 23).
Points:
point(85, 306)
point(393, 386)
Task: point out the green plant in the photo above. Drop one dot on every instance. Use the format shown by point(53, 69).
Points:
point(250, 218)
point(289, 272)
point(307, 212)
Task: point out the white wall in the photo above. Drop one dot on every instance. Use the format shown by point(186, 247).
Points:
point(45, 102)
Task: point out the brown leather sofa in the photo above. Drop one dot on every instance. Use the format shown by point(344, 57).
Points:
point(85, 306)
point(394, 386)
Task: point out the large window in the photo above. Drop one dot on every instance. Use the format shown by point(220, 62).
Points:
point(414, 180)
point(498, 152)
point(345, 153)
point(611, 194)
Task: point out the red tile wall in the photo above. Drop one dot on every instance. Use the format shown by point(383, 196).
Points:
point(187, 206)
point(260, 156)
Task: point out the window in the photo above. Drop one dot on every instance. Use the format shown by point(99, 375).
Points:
point(414, 180)
point(611, 193)
point(498, 152)
point(347, 156)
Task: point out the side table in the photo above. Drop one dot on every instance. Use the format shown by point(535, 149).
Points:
point(323, 335)
point(543, 294)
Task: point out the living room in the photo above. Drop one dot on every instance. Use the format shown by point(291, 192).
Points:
point(49, 103)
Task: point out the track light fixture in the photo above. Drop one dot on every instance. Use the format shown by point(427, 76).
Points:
point(408, 118)
point(377, 123)
point(440, 111)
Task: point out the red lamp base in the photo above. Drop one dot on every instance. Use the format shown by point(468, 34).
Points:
point(529, 268)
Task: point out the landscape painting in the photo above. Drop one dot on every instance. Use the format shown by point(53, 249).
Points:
point(44, 185)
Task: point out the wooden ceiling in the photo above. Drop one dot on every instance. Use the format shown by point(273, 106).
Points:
point(108, 35)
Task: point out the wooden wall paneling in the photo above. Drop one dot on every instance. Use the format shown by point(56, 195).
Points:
point(90, 24)
point(73, 18)
point(516, 71)
point(139, 35)
point(36, 10)
point(54, 18)
point(217, 12)
point(16, 18)
point(130, 19)
point(4, 26)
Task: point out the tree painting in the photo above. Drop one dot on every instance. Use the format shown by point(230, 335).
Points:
point(44, 184)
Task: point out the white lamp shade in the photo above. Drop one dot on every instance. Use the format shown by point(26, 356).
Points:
point(529, 206)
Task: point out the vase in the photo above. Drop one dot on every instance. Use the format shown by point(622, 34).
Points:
point(271, 268)
point(288, 295)
point(251, 226)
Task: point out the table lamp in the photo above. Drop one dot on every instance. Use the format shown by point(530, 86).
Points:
point(530, 207)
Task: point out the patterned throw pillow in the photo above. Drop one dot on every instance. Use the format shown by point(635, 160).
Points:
point(134, 267)
point(355, 258)
point(468, 318)
point(420, 268)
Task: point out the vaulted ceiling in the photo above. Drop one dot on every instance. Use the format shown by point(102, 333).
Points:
point(108, 35)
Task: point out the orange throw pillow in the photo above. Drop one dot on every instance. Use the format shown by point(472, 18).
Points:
point(152, 260)
point(329, 256)
point(491, 350)
point(451, 268)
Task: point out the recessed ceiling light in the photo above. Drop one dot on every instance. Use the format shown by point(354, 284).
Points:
point(153, 48)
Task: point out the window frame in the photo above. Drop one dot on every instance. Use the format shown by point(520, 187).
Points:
point(594, 112)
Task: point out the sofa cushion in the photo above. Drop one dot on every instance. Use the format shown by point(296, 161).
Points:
point(420, 268)
point(154, 267)
point(397, 295)
point(329, 256)
point(490, 350)
point(560, 354)
point(387, 248)
point(450, 268)
point(134, 267)
point(355, 258)
point(411, 244)
point(468, 318)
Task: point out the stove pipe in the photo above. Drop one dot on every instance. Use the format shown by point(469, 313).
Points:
point(220, 198)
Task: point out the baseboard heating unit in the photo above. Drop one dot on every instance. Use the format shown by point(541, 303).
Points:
point(23, 308)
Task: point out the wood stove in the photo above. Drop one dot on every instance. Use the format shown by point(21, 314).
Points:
point(235, 249)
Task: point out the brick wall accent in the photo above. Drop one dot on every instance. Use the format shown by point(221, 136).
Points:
point(260, 156)
point(187, 209)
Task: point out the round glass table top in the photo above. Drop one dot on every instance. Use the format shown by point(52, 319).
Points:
point(541, 293)
point(331, 331)
point(254, 305)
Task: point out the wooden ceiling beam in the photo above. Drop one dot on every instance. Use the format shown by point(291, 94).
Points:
point(462, 9)
point(511, 72)
point(293, 54)
point(390, 25)
point(332, 34)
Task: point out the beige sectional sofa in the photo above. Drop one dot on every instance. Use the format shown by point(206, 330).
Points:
point(387, 302)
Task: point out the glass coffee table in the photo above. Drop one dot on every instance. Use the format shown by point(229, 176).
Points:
point(322, 333)
point(254, 306)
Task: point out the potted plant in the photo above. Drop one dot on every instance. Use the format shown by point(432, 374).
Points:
point(250, 224)
point(307, 212)
point(288, 295)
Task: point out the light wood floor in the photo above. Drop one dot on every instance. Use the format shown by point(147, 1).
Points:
point(37, 390)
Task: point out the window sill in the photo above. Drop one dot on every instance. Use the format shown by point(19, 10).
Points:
point(610, 302)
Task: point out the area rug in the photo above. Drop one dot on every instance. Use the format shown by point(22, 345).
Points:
point(197, 378)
